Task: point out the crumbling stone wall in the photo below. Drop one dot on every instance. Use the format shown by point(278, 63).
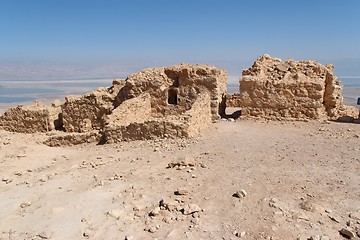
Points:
point(183, 81)
point(199, 116)
point(290, 89)
point(136, 109)
point(86, 113)
point(147, 125)
point(70, 139)
point(233, 100)
point(170, 102)
point(31, 119)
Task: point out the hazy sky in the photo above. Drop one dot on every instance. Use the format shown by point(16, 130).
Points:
point(84, 38)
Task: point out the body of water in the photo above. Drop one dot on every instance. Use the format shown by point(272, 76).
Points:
point(24, 91)
point(30, 90)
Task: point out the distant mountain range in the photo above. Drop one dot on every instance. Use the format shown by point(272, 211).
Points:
point(54, 71)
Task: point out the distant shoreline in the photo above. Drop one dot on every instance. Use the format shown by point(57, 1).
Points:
point(350, 95)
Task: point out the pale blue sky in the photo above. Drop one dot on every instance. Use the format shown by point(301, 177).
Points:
point(104, 38)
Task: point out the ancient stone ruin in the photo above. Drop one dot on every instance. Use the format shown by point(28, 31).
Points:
point(180, 101)
point(32, 118)
point(170, 102)
point(276, 89)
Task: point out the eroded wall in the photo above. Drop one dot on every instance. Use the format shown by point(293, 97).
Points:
point(31, 119)
point(290, 89)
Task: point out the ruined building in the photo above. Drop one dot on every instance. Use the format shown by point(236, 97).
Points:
point(170, 102)
point(179, 101)
point(290, 89)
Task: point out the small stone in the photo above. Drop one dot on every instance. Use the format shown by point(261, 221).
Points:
point(240, 194)
point(307, 206)
point(115, 213)
point(25, 204)
point(335, 219)
point(182, 192)
point(317, 237)
point(155, 212)
point(7, 180)
point(241, 234)
point(152, 229)
point(129, 237)
point(301, 216)
point(43, 235)
point(355, 215)
point(347, 232)
point(191, 208)
point(169, 204)
point(196, 215)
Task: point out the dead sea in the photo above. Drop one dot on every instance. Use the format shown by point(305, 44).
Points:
point(13, 93)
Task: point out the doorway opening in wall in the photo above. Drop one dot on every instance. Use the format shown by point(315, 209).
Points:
point(172, 96)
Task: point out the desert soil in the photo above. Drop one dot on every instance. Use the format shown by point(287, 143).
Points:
point(240, 180)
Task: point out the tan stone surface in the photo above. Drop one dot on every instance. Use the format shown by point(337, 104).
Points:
point(175, 101)
point(31, 118)
point(70, 139)
point(290, 89)
point(86, 113)
point(187, 81)
point(233, 100)
point(146, 125)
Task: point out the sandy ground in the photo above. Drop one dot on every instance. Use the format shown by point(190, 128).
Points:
point(295, 180)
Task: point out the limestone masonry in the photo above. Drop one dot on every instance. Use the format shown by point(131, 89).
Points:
point(290, 89)
point(181, 100)
point(170, 102)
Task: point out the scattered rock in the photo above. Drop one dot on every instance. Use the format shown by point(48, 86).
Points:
point(275, 203)
point(155, 212)
point(151, 229)
point(191, 208)
point(240, 194)
point(335, 219)
point(182, 192)
point(355, 215)
point(169, 204)
point(183, 162)
point(311, 207)
point(43, 235)
point(7, 180)
point(300, 216)
point(347, 232)
point(25, 204)
point(317, 237)
point(115, 213)
point(239, 234)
